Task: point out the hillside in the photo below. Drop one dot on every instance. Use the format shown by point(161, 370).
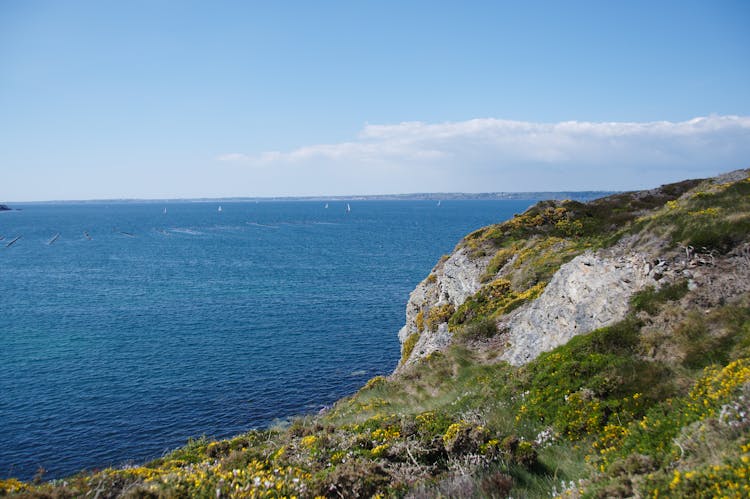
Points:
point(596, 349)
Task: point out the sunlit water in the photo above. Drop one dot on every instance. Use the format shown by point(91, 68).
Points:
point(157, 327)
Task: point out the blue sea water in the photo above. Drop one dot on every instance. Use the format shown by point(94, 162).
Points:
point(166, 326)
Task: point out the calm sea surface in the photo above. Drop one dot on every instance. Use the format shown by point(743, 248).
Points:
point(165, 326)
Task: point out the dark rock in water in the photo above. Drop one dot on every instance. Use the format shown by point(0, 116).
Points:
point(4, 207)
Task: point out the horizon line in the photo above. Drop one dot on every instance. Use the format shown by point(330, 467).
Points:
point(416, 196)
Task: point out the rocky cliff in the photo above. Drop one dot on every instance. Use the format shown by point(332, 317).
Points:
point(564, 268)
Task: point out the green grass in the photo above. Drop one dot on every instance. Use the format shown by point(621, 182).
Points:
point(601, 221)
point(650, 299)
point(479, 330)
point(714, 218)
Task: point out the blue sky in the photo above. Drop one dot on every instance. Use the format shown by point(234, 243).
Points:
point(166, 99)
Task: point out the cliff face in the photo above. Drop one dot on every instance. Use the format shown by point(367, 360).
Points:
point(564, 268)
point(450, 283)
point(590, 292)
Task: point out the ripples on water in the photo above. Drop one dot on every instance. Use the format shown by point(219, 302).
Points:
point(165, 326)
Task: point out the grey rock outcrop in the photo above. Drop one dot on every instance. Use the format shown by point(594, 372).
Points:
point(589, 292)
point(429, 342)
point(459, 277)
point(451, 281)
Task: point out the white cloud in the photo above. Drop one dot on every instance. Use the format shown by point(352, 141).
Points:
point(234, 156)
point(485, 154)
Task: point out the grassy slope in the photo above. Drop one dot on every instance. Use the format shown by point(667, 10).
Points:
point(600, 416)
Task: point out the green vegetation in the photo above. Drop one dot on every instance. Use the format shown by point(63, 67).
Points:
point(478, 330)
point(419, 321)
point(598, 220)
point(715, 217)
point(655, 405)
point(538, 242)
point(408, 347)
point(498, 261)
point(438, 315)
point(496, 298)
point(650, 299)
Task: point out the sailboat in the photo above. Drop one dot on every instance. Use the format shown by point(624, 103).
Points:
point(219, 208)
point(165, 211)
point(438, 202)
point(326, 206)
point(348, 208)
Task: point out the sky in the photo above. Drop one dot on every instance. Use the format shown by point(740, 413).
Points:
point(165, 99)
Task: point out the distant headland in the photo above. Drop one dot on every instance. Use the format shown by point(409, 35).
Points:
point(428, 196)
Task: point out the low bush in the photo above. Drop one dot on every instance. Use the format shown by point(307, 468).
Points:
point(408, 347)
point(480, 330)
point(439, 314)
point(650, 299)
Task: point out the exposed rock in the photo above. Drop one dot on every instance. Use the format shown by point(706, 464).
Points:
point(732, 176)
point(431, 342)
point(4, 207)
point(452, 281)
point(459, 278)
point(590, 292)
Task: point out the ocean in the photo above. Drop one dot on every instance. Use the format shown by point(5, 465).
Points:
point(145, 324)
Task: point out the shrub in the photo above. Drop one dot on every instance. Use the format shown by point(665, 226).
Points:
point(519, 451)
point(376, 382)
point(715, 338)
point(464, 437)
point(11, 486)
point(484, 328)
point(715, 219)
point(217, 449)
point(354, 478)
point(650, 299)
point(497, 262)
point(496, 484)
point(490, 299)
point(408, 347)
point(419, 321)
point(438, 315)
point(431, 423)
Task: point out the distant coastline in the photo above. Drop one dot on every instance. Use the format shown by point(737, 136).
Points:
point(429, 196)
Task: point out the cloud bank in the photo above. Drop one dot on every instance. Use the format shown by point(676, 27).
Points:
point(493, 154)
